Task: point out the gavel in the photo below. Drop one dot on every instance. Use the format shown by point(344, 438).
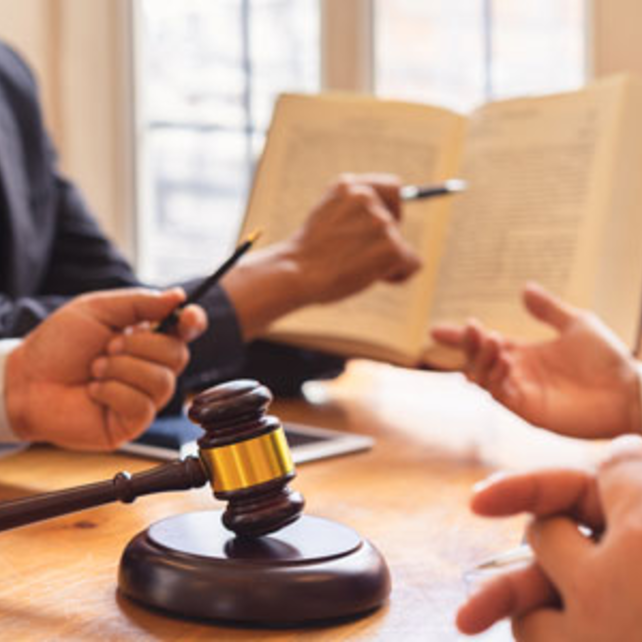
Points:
point(244, 455)
point(215, 565)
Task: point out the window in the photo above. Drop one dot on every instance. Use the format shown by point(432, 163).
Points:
point(210, 70)
point(459, 53)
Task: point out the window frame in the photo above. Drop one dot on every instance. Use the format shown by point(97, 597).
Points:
point(347, 45)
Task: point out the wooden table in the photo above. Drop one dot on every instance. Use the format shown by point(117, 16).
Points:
point(436, 436)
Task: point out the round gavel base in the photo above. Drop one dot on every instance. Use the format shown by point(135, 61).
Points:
point(313, 570)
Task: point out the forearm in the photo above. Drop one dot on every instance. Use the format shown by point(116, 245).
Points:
point(221, 354)
point(265, 286)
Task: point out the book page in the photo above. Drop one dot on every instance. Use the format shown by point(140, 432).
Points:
point(617, 272)
point(538, 172)
point(315, 138)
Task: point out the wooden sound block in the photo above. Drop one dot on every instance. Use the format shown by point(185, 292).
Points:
point(310, 571)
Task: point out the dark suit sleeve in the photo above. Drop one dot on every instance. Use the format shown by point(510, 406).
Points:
point(53, 249)
point(284, 369)
point(82, 258)
point(220, 354)
point(18, 316)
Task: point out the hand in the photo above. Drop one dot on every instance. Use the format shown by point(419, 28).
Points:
point(577, 589)
point(584, 383)
point(93, 375)
point(350, 240)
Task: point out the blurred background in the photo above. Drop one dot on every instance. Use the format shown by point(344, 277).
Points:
point(159, 108)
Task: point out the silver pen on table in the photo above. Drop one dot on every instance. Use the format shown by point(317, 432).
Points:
point(511, 558)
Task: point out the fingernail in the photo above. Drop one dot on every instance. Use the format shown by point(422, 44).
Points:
point(175, 292)
point(99, 367)
point(489, 481)
point(190, 334)
point(116, 346)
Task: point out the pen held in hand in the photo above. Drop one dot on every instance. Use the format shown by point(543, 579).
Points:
point(419, 192)
point(172, 318)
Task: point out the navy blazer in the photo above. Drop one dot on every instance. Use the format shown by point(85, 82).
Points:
point(53, 249)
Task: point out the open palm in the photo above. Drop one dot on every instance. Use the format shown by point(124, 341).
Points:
point(584, 383)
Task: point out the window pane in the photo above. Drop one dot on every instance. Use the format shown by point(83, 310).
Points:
point(430, 51)
point(458, 53)
point(537, 46)
point(210, 72)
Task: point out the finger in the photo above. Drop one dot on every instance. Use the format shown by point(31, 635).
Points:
point(122, 308)
point(544, 625)
point(541, 493)
point(472, 341)
point(387, 187)
point(498, 374)
point(133, 411)
point(507, 595)
point(162, 349)
point(191, 324)
point(449, 335)
point(155, 381)
point(548, 308)
point(485, 360)
point(620, 479)
point(405, 261)
point(560, 549)
point(402, 273)
point(397, 258)
point(362, 197)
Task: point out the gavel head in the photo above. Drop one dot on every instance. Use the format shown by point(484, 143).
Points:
point(247, 457)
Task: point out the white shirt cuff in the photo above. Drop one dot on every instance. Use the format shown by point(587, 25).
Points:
point(6, 434)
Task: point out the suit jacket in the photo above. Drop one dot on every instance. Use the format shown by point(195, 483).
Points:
point(52, 249)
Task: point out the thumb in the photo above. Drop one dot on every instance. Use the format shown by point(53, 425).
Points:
point(620, 478)
point(407, 265)
point(548, 308)
point(406, 262)
point(387, 188)
point(120, 309)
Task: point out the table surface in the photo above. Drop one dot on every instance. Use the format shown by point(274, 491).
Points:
point(436, 435)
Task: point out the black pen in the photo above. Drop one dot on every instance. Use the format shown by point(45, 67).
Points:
point(172, 318)
point(417, 192)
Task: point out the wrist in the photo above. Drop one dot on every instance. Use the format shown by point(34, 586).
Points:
point(265, 286)
point(16, 394)
point(288, 262)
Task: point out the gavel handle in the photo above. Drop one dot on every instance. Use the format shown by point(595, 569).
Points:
point(176, 475)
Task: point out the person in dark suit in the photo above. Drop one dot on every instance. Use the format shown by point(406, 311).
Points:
point(52, 249)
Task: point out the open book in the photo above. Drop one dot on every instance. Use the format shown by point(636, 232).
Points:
point(555, 195)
